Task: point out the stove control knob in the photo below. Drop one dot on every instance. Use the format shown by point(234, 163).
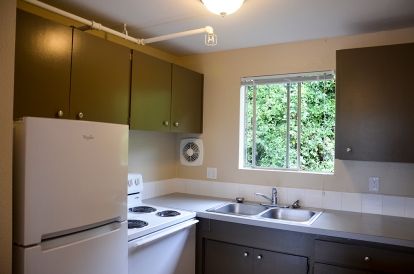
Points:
point(136, 182)
point(129, 183)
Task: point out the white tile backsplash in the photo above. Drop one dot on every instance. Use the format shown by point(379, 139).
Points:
point(371, 203)
point(347, 201)
point(332, 200)
point(295, 194)
point(351, 201)
point(393, 205)
point(409, 207)
point(313, 198)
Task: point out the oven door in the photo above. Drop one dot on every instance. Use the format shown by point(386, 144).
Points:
point(168, 251)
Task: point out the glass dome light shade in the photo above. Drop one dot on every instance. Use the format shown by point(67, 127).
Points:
point(222, 7)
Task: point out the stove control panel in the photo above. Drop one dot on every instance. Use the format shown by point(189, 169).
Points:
point(135, 183)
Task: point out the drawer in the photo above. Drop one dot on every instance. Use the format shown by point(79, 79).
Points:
point(364, 257)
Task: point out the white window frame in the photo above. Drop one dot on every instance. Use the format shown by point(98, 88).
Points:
point(272, 79)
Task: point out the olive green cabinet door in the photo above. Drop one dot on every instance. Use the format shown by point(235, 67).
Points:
point(42, 67)
point(187, 100)
point(374, 104)
point(150, 93)
point(100, 80)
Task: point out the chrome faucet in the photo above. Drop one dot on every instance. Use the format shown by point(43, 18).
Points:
point(273, 199)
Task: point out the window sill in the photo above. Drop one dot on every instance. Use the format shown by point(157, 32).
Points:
point(286, 171)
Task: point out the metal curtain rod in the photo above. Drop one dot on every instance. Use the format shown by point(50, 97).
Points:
point(98, 26)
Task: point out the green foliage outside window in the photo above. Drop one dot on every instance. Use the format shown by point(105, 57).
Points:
point(277, 136)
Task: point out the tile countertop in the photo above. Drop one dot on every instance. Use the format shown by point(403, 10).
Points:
point(350, 225)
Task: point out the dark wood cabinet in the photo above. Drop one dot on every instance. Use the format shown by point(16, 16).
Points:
point(228, 258)
point(42, 67)
point(227, 247)
point(374, 104)
point(363, 257)
point(331, 269)
point(150, 93)
point(268, 262)
point(187, 100)
point(100, 80)
point(66, 73)
point(164, 96)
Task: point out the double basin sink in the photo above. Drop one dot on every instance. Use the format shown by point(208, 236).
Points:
point(286, 215)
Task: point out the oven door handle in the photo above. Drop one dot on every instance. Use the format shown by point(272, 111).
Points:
point(161, 234)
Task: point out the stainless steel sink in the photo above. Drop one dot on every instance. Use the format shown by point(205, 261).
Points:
point(239, 209)
point(277, 214)
point(291, 215)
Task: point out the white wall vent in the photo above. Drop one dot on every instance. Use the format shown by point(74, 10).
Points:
point(191, 152)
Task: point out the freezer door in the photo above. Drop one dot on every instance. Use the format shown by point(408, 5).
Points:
point(102, 250)
point(68, 176)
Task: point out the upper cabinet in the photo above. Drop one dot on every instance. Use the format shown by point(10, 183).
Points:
point(66, 73)
point(42, 67)
point(187, 100)
point(165, 97)
point(150, 93)
point(374, 104)
point(100, 80)
point(63, 72)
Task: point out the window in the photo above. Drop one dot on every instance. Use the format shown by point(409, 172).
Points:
point(288, 122)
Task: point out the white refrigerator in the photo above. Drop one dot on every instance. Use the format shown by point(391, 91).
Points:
point(69, 197)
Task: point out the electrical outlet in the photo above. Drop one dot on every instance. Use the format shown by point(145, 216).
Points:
point(373, 184)
point(212, 173)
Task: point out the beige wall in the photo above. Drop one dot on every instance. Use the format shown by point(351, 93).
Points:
point(221, 114)
point(7, 30)
point(153, 154)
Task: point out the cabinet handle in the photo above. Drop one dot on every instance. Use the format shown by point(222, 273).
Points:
point(166, 123)
point(59, 113)
point(367, 259)
point(348, 149)
point(246, 254)
point(176, 124)
point(80, 115)
point(259, 257)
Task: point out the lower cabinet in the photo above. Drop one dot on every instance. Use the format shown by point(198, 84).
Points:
point(330, 269)
point(228, 258)
point(344, 257)
point(232, 248)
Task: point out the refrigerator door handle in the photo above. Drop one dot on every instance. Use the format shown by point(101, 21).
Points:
point(81, 236)
point(161, 234)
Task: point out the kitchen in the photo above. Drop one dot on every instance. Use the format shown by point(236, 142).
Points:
point(155, 154)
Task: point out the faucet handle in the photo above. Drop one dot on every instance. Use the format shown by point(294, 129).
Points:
point(295, 204)
point(240, 200)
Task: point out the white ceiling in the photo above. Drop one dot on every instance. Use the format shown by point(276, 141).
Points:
point(258, 22)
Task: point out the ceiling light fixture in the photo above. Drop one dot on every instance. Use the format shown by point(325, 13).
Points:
point(223, 7)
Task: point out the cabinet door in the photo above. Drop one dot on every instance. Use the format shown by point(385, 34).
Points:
point(187, 100)
point(330, 269)
point(42, 72)
point(150, 93)
point(227, 258)
point(100, 79)
point(267, 262)
point(374, 104)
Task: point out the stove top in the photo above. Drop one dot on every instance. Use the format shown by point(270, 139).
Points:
point(168, 213)
point(142, 209)
point(136, 224)
point(157, 218)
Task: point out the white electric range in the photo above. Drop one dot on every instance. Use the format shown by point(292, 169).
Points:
point(154, 230)
point(144, 219)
